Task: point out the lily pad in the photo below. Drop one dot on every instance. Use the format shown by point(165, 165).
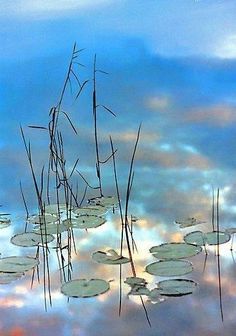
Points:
point(50, 228)
point(139, 290)
point(155, 296)
point(176, 287)
point(217, 237)
point(82, 288)
point(17, 264)
point(175, 250)
point(84, 222)
point(6, 278)
point(29, 239)
point(42, 219)
point(196, 238)
point(190, 221)
point(106, 201)
point(53, 208)
point(231, 230)
point(96, 210)
point(132, 281)
point(169, 268)
point(110, 258)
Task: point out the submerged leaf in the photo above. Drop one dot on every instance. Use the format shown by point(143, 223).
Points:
point(82, 288)
point(131, 281)
point(176, 287)
point(109, 258)
point(169, 268)
point(155, 296)
point(175, 250)
point(17, 264)
point(139, 290)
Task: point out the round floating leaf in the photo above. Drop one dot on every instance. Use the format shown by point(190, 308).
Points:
point(50, 228)
point(109, 258)
point(196, 238)
point(28, 239)
point(106, 201)
point(82, 288)
point(217, 237)
point(176, 287)
point(191, 221)
point(96, 210)
point(169, 268)
point(131, 281)
point(42, 219)
point(6, 278)
point(175, 250)
point(53, 208)
point(17, 264)
point(85, 222)
point(139, 290)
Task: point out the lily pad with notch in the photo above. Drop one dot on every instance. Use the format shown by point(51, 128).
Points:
point(84, 222)
point(105, 201)
point(97, 210)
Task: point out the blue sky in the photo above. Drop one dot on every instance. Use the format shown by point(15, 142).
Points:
point(172, 66)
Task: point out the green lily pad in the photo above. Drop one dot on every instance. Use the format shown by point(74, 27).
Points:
point(106, 201)
point(53, 208)
point(155, 296)
point(29, 239)
point(89, 210)
point(50, 228)
point(42, 219)
point(169, 268)
point(191, 221)
point(17, 264)
point(217, 237)
point(176, 287)
point(132, 281)
point(110, 258)
point(195, 238)
point(82, 288)
point(139, 290)
point(85, 222)
point(6, 278)
point(175, 250)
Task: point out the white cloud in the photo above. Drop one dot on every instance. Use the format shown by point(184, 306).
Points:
point(227, 48)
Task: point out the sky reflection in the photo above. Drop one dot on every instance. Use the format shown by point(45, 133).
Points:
point(171, 66)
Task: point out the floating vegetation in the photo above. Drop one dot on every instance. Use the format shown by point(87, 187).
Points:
point(56, 208)
point(176, 287)
point(84, 222)
point(82, 288)
point(139, 290)
point(108, 201)
point(29, 239)
point(96, 210)
point(18, 264)
point(155, 297)
point(6, 278)
point(170, 268)
point(190, 221)
point(111, 257)
point(41, 219)
point(175, 250)
point(50, 228)
point(200, 238)
point(131, 281)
